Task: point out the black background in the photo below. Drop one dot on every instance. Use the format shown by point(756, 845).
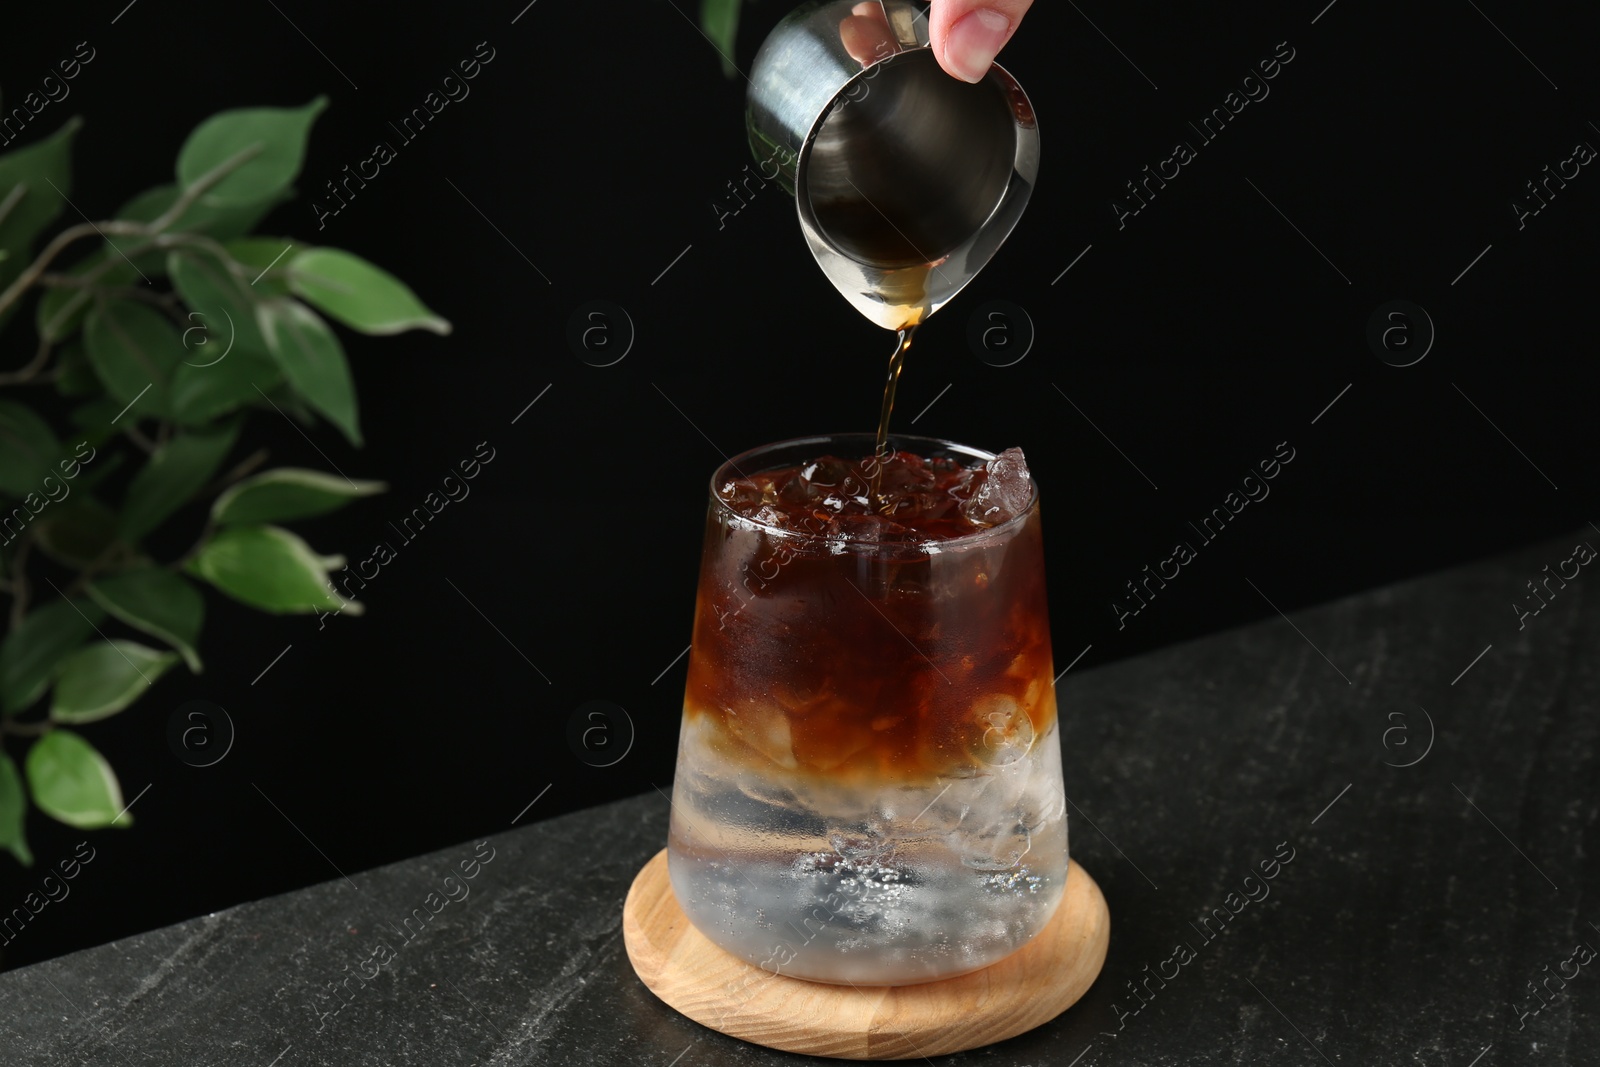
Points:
point(1196, 338)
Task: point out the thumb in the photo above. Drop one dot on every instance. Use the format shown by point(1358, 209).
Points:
point(966, 35)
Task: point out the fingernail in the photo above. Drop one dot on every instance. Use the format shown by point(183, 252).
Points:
point(974, 41)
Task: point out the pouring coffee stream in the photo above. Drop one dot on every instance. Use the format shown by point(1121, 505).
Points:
point(907, 294)
point(880, 451)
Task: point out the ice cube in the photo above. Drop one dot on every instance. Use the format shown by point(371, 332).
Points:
point(825, 484)
point(871, 529)
point(1039, 805)
point(1007, 730)
point(1003, 492)
point(796, 489)
point(998, 847)
point(943, 811)
point(902, 473)
point(765, 729)
point(770, 516)
point(764, 789)
point(826, 473)
point(741, 494)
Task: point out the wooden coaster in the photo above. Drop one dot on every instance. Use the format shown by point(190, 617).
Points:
point(717, 989)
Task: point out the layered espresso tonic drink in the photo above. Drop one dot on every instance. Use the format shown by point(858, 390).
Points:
point(869, 780)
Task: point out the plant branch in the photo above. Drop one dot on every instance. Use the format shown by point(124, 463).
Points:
point(30, 371)
point(19, 582)
point(154, 227)
point(240, 469)
point(167, 301)
point(56, 280)
point(108, 555)
point(203, 185)
point(14, 197)
point(85, 283)
point(31, 272)
point(137, 437)
point(86, 286)
point(200, 240)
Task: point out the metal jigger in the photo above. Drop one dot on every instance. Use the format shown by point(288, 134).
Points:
point(906, 179)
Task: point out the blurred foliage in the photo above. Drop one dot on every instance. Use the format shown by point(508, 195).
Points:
point(169, 328)
point(719, 21)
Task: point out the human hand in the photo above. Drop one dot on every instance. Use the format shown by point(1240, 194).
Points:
point(966, 35)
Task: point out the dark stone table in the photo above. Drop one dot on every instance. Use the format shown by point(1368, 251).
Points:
point(1418, 761)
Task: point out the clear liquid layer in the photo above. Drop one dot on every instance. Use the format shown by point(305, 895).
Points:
point(886, 885)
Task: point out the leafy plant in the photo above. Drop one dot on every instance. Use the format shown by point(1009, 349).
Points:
point(719, 21)
point(170, 327)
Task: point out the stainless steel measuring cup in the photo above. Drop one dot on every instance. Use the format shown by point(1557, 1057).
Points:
point(906, 179)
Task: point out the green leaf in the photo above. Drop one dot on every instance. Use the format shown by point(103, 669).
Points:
point(101, 471)
point(225, 303)
point(221, 222)
point(267, 259)
point(72, 782)
point(134, 350)
point(28, 450)
point(177, 471)
point(270, 568)
point(93, 421)
point(96, 682)
point(156, 602)
point(720, 21)
point(204, 391)
point(30, 653)
point(228, 359)
point(284, 400)
point(288, 493)
point(76, 532)
point(34, 168)
point(313, 360)
point(75, 375)
point(358, 294)
point(281, 134)
point(13, 807)
point(52, 319)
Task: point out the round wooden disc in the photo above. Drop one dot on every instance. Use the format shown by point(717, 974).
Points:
point(717, 989)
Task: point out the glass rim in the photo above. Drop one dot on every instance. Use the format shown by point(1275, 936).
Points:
point(731, 466)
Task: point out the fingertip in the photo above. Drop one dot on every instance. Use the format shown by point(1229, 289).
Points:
point(972, 42)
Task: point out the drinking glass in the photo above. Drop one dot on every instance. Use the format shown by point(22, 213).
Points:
point(868, 786)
